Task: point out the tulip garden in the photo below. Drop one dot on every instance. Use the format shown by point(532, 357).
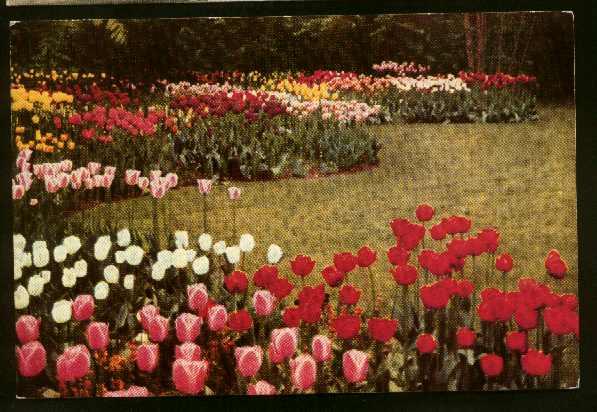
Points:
point(290, 233)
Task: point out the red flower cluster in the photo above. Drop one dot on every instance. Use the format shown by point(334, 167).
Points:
point(408, 235)
point(497, 80)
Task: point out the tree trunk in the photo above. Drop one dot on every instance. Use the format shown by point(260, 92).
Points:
point(468, 35)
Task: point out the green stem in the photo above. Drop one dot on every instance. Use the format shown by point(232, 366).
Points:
point(373, 291)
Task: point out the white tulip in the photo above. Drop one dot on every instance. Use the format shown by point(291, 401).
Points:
point(111, 274)
point(69, 277)
point(59, 254)
point(205, 242)
point(191, 255)
point(274, 254)
point(233, 254)
point(101, 290)
point(158, 270)
point(166, 258)
point(62, 311)
point(181, 239)
point(246, 242)
point(18, 242)
point(21, 297)
point(46, 275)
point(129, 281)
point(123, 237)
point(17, 269)
point(220, 247)
point(80, 268)
point(134, 255)
point(119, 256)
point(41, 256)
point(102, 247)
point(72, 244)
point(201, 265)
point(26, 259)
point(39, 244)
point(35, 285)
point(179, 259)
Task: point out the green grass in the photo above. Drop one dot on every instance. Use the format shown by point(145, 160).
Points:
point(517, 177)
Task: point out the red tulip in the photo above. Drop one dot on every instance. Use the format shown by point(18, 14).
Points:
point(73, 364)
point(146, 313)
point(240, 320)
point(265, 276)
point(310, 302)
point(303, 371)
point(261, 388)
point(302, 265)
point(381, 329)
point(355, 365)
point(281, 288)
point(217, 317)
point(560, 320)
point(424, 212)
point(366, 256)
point(349, 295)
point(569, 300)
point(264, 302)
point(345, 261)
point(157, 328)
point(504, 262)
point(197, 297)
point(457, 224)
point(188, 350)
point(491, 364)
point(27, 327)
point(435, 296)
point(98, 335)
point(189, 376)
point(536, 363)
point(465, 338)
point(526, 318)
point(516, 341)
point(321, 347)
point(438, 232)
point(284, 342)
point(346, 326)
point(398, 255)
point(332, 276)
point(188, 327)
point(426, 343)
point(292, 317)
point(31, 359)
point(491, 239)
point(464, 288)
point(458, 247)
point(555, 265)
point(83, 307)
point(236, 282)
point(147, 356)
point(404, 274)
point(248, 360)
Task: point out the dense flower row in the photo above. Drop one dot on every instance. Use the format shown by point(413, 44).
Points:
point(196, 321)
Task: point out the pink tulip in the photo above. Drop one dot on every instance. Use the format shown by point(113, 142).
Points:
point(98, 335)
point(73, 364)
point(107, 180)
point(261, 388)
point(157, 189)
point(188, 327)
point(284, 341)
point(83, 307)
point(171, 180)
point(355, 365)
point(131, 177)
point(275, 357)
point(204, 186)
point(89, 183)
point(93, 168)
point(197, 297)
point(303, 371)
point(52, 184)
point(18, 191)
point(31, 359)
point(146, 313)
point(248, 360)
point(66, 165)
point(38, 170)
point(264, 302)
point(85, 174)
point(217, 317)
point(131, 392)
point(25, 154)
point(27, 327)
point(21, 162)
point(98, 180)
point(76, 180)
point(321, 346)
point(109, 170)
point(188, 351)
point(154, 174)
point(189, 376)
point(143, 183)
point(147, 356)
point(233, 193)
point(157, 328)
point(63, 180)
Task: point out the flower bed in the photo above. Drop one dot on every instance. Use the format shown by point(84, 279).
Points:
point(116, 313)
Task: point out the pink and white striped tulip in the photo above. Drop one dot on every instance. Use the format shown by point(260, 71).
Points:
point(98, 335)
point(234, 193)
point(83, 307)
point(188, 327)
point(217, 316)
point(197, 297)
point(131, 177)
point(284, 341)
point(93, 168)
point(321, 346)
point(355, 365)
point(264, 302)
point(73, 364)
point(248, 360)
point(189, 376)
point(27, 328)
point(261, 388)
point(31, 359)
point(303, 371)
point(147, 356)
point(204, 186)
point(143, 183)
point(188, 351)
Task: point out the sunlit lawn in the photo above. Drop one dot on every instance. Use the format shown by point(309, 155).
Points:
point(517, 177)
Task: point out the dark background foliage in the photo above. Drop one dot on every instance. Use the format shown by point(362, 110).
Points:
point(532, 43)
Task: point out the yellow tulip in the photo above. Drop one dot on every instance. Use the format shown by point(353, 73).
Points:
point(71, 145)
point(35, 119)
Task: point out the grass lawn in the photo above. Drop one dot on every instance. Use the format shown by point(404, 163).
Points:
point(519, 178)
